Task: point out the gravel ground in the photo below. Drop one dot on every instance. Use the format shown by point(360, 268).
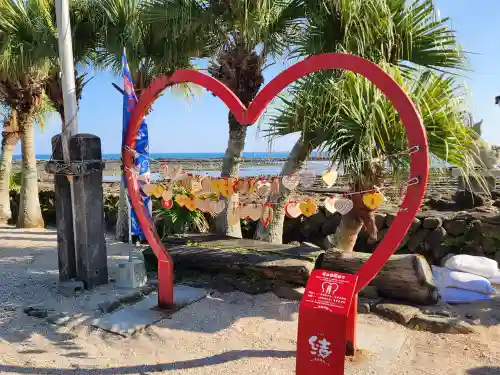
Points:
point(225, 334)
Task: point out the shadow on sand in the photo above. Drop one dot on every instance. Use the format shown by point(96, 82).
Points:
point(182, 365)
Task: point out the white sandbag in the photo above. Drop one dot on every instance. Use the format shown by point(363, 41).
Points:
point(455, 295)
point(480, 266)
point(446, 278)
point(495, 280)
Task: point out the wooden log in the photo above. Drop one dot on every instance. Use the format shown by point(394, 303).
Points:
point(278, 262)
point(91, 254)
point(404, 277)
point(64, 217)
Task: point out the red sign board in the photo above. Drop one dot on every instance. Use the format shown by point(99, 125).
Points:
point(321, 341)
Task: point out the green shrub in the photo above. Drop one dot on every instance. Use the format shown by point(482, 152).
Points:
point(178, 219)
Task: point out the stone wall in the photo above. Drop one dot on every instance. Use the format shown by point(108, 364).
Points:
point(434, 234)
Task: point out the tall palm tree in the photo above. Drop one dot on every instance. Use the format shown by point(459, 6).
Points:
point(243, 35)
point(384, 31)
point(10, 137)
point(152, 51)
point(28, 67)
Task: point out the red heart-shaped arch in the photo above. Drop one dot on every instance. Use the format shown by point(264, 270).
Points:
point(247, 116)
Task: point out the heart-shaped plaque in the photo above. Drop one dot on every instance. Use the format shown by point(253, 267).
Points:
point(149, 189)
point(263, 188)
point(167, 194)
point(329, 177)
point(226, 187)
point(167, 204)
point(308, 208)
point(190, 203)
point(373, 200)
point(330, 204)
point(242, 186)
point(343, 205)
point(203, 205)
point(292, 210)
point(290, 182)
point(181, 200)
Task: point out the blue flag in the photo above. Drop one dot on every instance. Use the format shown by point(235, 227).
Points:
point(141, 146)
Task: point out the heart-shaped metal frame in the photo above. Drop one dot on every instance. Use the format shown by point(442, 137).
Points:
point(248, 116)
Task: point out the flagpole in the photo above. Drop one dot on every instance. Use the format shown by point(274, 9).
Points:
point(70, 126)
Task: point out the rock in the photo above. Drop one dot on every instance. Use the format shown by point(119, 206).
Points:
point(363, 307)
point(380, 220)
point(487, 229)
point(432, 222)
point(59, 319)
point(466, 199)
point(435, 237)
point(381, 234)
point(472, 249)
point(440, 204)
point(497, 257)
point(313, 224)
point(289, 292)
point(389, 219)
point(404, 242)
point(437, 324)
point(332, 223)
point(71, 288)
point(496, 203)
point(415, 226)
point(369, 291)
point(399, 313)
point(417, 239)
point(108, 306)
point(455, 227)
point(37, 312)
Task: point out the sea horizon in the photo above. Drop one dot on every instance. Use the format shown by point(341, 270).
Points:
point(188, 155)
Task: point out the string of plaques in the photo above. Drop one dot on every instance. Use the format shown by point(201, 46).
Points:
point(252, 198)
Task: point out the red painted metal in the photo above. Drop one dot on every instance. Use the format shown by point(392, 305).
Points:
point(408, 114)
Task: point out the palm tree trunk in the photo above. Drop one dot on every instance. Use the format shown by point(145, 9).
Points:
point(8, 146)
point(360, 216)
point(30, 214)
point(230, 168)
point(122, 221)
point(274, 232)
point(347, 232)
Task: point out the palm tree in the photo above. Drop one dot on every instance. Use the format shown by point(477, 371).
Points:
point(10, 137)
point(384, 31)
point(151, 50)
point(242, 35)
point(28, 67)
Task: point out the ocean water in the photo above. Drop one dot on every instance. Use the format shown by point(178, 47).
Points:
point(187, 155)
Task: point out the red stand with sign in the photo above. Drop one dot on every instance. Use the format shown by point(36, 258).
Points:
point(323, 320)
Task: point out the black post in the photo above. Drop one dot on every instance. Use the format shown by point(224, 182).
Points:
point(91, 259)
point(64, 216)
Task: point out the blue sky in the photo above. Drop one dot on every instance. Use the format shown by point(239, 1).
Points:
point(201, 124)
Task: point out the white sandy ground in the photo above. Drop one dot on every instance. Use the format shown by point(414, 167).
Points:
point(224, 334)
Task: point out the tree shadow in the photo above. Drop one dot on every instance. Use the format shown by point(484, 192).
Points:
point(484, 371)
point(30, 278)
point(217, 359)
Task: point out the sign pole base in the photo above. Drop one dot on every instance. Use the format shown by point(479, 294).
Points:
point(351, 345)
